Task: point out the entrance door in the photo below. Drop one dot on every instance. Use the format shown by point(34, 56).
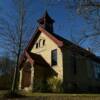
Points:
point(26, 75)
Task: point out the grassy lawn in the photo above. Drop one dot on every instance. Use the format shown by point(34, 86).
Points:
point(58, 94)
point(64, 96)
point(55, 96)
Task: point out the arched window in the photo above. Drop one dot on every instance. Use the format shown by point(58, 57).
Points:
point(74, 63)
point(40, 43)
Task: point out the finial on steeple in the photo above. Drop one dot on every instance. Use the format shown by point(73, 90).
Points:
point(46, 22)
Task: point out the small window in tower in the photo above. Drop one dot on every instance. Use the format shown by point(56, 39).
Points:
point(54, 57)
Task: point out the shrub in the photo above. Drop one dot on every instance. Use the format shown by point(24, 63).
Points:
point(55, 84)
point(40, 86)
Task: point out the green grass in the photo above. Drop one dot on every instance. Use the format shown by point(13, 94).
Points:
point(54, 96)
point(57, 94)
point(65, 96)
point(61, 96)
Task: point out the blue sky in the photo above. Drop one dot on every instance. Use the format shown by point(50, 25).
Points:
point(67, 21)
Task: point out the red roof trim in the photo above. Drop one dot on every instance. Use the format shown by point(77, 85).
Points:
point(37, 33)
point(31, 42)
point(29, 58)
point(58, 42)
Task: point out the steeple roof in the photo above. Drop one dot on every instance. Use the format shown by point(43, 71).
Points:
point(46, 18)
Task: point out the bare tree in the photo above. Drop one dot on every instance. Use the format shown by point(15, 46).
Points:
point(14, 36)
point(90, 10)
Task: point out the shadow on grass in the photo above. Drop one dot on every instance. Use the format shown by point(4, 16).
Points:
point(13, 95)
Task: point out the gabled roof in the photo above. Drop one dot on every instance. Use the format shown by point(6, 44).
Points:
point(33, 58)
point(78, 49)
point(38, 59)
point(36, 35)
point(60, 41)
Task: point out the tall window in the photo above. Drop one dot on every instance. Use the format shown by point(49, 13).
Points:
point(97, 70)
point(54, 57)
point(73, 61)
